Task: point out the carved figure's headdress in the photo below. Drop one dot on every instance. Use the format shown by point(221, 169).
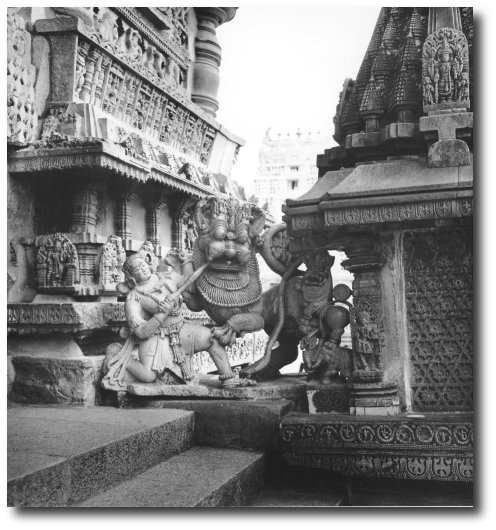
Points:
point(127, 267)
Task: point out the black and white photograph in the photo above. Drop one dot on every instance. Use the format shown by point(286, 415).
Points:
point(240, 259)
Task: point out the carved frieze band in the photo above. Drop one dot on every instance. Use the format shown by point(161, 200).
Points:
point(42, 314)
point(147, 102)
point(435, 466)
point(440, 209)
point(381, 434)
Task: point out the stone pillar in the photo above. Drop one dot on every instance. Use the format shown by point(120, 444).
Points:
point(370, 393)
point(208, 56)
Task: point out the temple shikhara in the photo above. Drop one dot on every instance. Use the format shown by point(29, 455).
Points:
point(143, 349)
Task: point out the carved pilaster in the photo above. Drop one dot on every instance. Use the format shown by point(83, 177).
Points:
point(208, 56)
point(154, 200)
point(122, 226)
point(183, 228)
point(85, 208)
point(370, 394)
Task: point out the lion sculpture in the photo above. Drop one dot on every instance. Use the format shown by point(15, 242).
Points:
point(230, 234)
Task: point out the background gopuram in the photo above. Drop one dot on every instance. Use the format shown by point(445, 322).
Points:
point(112, 139)
point(396, 197)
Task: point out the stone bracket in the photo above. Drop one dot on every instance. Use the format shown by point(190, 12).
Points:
point(448, 151)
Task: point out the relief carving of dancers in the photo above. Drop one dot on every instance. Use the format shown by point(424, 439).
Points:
point(165, 342)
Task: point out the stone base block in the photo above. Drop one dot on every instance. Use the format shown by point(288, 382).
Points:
point(449, 153)
point(53, 380)
point(374, 399)
point(333, 398)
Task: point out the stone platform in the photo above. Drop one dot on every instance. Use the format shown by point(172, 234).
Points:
point(210, 387)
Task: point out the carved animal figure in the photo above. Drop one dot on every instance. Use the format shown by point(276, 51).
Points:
point(230, 291)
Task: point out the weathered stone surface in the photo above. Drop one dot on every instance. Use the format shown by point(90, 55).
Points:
point(449, 153)
point(211, 387)
point(297, 497)
point(40, 379)
point(61, 455)
point(234, 424)
point(201, 477)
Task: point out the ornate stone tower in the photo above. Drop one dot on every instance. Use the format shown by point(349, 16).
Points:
point(396, 196)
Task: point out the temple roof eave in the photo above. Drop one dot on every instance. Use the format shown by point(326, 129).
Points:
point(100, 156)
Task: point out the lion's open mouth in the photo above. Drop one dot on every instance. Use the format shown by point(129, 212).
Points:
point(224, 264)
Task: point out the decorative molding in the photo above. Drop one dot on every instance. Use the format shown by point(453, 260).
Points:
point(438, 466)
point(42, 315)
point(404, 449)
point(307, 222)
point(415, 211)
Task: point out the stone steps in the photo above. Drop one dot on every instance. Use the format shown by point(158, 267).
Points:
point(61, 455)
point(199, 477)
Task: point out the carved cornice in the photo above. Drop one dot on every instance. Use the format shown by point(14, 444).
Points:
point(102, 157)
point(401, 448)
point(329, 215)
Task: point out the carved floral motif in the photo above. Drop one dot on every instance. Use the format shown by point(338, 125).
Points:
point(22, 116)
point(438, 276)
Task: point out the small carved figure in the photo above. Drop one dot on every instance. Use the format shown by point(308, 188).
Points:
point(165, 341)
point(463, 87)
point(366, 334)
point(428, 91)
point(191, 236)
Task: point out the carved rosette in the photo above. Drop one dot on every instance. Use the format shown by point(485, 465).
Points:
point(425, 450)
point(445, 69)
point(22, 115)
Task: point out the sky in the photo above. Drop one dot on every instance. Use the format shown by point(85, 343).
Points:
point(284, 67)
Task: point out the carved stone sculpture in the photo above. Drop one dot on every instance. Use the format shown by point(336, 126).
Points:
point(229, 235)
point(165, 341)
point(112, 260)
point(57, 263)
point(445, 67)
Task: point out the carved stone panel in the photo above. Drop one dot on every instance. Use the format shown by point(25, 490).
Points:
point(113, 257)
point(438, 284)
point(445, 69)
point(57, 263)
point(22, 116)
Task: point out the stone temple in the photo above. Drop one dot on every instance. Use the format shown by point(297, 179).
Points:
point(146, 362)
